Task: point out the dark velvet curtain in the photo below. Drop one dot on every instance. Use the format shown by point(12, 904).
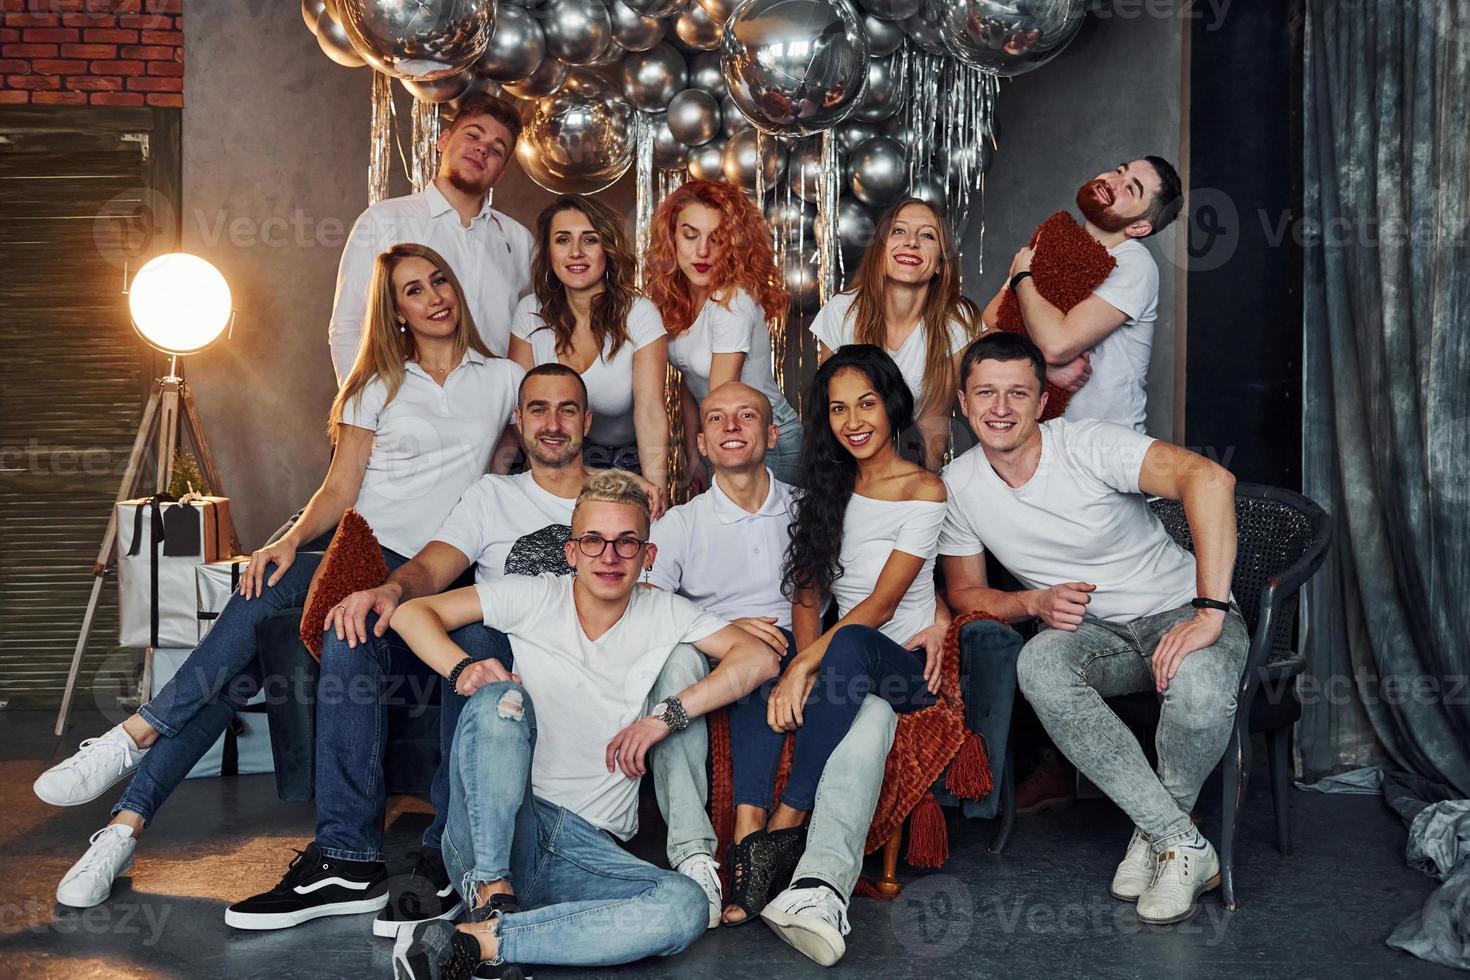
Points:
point(1387, 385)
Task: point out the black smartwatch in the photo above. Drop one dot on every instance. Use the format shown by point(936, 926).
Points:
point(458, 669)
point(1016, 279)
point(1200, 602)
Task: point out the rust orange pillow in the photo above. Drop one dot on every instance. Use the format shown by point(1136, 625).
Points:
point(353, 562)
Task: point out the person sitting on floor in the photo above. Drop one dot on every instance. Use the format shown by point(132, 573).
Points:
point(1053, 500)
point(421, 365)
point(865, 532)
point(723, 551)
point(546, 762)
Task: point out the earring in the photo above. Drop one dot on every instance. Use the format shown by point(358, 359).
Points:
point(403, 326)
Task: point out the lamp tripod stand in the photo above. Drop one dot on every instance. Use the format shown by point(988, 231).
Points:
point(169, 402)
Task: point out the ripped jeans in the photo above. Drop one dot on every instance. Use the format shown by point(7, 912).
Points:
point(587, 901)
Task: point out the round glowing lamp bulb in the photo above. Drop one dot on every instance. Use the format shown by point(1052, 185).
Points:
point(180, 303)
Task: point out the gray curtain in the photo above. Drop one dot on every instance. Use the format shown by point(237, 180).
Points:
point(1387, 385)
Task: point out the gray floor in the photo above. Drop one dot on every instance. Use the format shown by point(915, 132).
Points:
point(1040, 910)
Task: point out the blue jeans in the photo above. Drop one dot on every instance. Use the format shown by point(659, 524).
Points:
point(784, 461)
point(193, 709)
point(859, 661)
point(351, 736)
point(588, 902)
point(596, 456)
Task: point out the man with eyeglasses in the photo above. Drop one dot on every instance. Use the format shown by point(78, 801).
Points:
point(547, 760)
point(503, 525)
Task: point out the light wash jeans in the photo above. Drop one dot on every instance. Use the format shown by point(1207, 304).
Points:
point(588, 902)
point(784, 461)
point(1066, 676)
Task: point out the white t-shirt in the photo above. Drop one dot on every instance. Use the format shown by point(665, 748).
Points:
point(496, 514)
point(609, 382)
point(724, 558)
point(1080, 518)
point(834, 325)
point(491, 259)
point(1118, 389)
point(586, 691)
point(740, 329)
point(871, 531)
point(429, 443)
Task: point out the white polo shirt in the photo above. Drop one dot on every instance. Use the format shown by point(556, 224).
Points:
point(834, 325)
point(609, 381)
point(496, 514)
point(1080, 518)
point(429, 444)
point(491, 259)
point(739, 328)
point(724, 558)
point(1118, 389)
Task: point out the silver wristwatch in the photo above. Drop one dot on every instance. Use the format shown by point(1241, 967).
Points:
point(671, 712)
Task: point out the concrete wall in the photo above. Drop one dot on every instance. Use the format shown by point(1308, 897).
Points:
point(1114, 94)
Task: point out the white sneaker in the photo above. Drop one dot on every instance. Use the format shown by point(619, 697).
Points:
point(98, 764)
point(89, 881)
point(814, 920)
point(1136, 871)
point(1185, 873)
point(703, 869)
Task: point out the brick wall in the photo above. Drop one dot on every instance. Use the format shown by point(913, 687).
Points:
point(92, 52)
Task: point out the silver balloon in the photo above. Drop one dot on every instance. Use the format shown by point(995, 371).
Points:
point(420, 41)
point(698, 29)
point(613, 54)
point(923, 29)
point(311, 12)
point(651, 78)
point(884, 95)
point(707, 162)
point(694, 117)
point(546, 79)
point(705, 73)
point(855, 225)
point(668, 152)
point(795, 67)
point(577, 31)
point(517, 47)
point(577, 140)
point(979, 155)
point(804, 170)
point(654, 8)
point(633, 30)
point(803, 280)
point(479, 85)
point(892, 9)
point(792, 217)
point(884, 36)
point(898, 129)
point(879, 171)
point(1003, 37)
point(854, 133)
point(930, 188)
point(333, 41)
point(440, 89)
point(732, 120)
point(744, 159)
point(719, 10)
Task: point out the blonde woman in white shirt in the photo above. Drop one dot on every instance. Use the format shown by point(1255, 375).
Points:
point(585, 312)
point(865, 533)
point(415, 423)
point(905, 298)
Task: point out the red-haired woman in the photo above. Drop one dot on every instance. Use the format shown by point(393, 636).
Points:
point(905, 290)
point(713, 277)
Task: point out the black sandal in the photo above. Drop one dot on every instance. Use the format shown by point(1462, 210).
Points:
point(751, 863)
point(788, 846)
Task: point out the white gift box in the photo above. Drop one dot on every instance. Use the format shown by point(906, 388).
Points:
point(214, 583)
point(159, 542)
point(244, 748)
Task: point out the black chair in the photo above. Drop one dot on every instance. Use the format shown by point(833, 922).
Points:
point(1282, 538)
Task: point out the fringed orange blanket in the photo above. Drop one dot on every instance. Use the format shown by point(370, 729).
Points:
point(926, 741)
point(1068, 265)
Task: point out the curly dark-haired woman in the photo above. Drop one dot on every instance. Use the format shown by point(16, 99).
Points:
point(865, 533)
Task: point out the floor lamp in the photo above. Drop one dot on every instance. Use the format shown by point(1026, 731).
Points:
point(179, 304)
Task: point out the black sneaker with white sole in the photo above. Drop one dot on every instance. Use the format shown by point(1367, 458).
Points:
point(425, 893)
point(435, 950)
point(314, 887)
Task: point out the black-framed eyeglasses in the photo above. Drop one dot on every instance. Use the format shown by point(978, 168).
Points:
point(593, 545)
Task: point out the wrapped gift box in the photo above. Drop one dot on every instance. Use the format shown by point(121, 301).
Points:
point(159, 542)
point(214, 583)
point(244, 748)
